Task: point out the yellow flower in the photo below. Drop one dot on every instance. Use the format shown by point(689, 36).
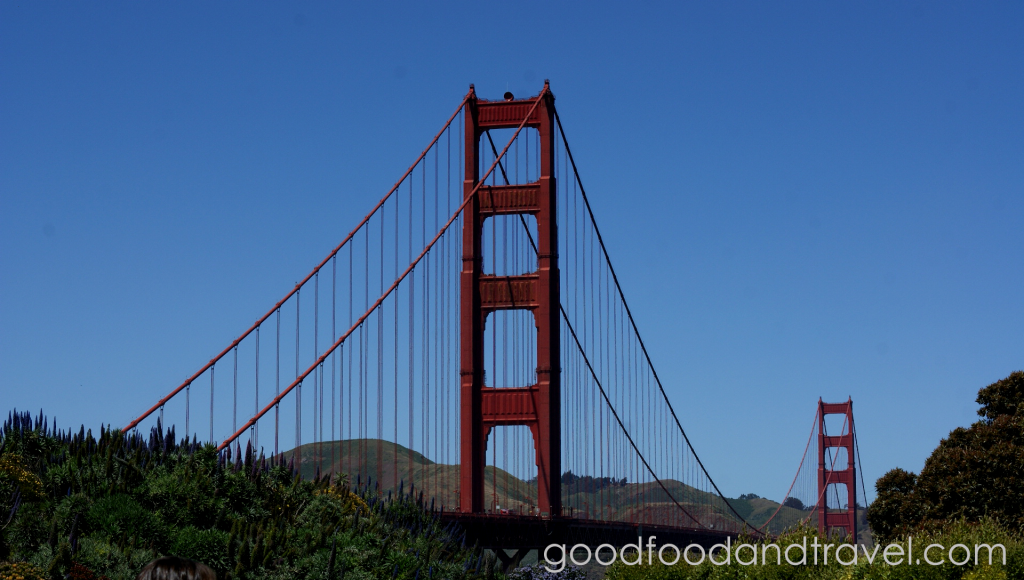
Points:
point(20, 571)
point(13, 469)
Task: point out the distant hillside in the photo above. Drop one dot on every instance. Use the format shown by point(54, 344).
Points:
point(390, 466)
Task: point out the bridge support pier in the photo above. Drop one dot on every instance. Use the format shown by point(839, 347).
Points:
point(538, 406)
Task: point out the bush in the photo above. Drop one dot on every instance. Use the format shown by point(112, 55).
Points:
point(207, 546)
point(15, 475)
point(126, 522)
point(20, 571)
point(106, 559)
point(1015, 564)
point(112, 504)
point(182, 505)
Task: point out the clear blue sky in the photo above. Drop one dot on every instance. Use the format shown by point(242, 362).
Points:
point(802, 199)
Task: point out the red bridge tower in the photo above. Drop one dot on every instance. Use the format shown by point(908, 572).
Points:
point(827, 522)
point(538, 406)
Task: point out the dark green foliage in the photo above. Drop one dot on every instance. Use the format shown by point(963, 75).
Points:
point(588, 483)
point(975, 472)
point(123, 520)
point(896, 508)
point(111, 504)
point(1005, 397)
point(794, 503)
point(208, 546)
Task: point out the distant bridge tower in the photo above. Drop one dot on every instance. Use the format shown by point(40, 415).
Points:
point(827, 522)
point(537, 406)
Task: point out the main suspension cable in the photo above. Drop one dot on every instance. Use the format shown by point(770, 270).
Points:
point(593, 373)
point(469, 197)
point(632, 322)
point(316, 270)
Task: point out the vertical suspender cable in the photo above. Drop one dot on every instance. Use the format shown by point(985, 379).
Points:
point(380, 365)
point(363, 362)
point(424, 357)
point(395, 398)
point(212, 369)
point(254, 436)
point(633, 323)
point(348, 407)
point(188, 407)
point(455, 335)
point(438, 387)
point(317, 419)
point(334, 252)
point(334, 361)
point(412, 340)
point(277, 385)
point(234, 406)
point(361, 324)
point(446, 351)
point(298, 392)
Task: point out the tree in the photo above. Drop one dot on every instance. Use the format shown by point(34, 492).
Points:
point(794, 503)
point(1004, 397)
point(975, 472)
point(897, 507)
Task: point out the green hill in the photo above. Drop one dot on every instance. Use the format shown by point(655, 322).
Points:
point(391, 466)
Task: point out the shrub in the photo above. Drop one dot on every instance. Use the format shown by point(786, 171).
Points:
point(15, 474)
point(106, 559)
point(207, 546)
point(114, 503)
point(20, 571)
point(126, 522)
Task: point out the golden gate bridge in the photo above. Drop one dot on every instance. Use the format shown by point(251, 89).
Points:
point(469, 341)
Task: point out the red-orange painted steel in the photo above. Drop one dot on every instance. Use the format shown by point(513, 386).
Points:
point(829, 521)
point(292, 292)
point(538, 406)
point(470, 198)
